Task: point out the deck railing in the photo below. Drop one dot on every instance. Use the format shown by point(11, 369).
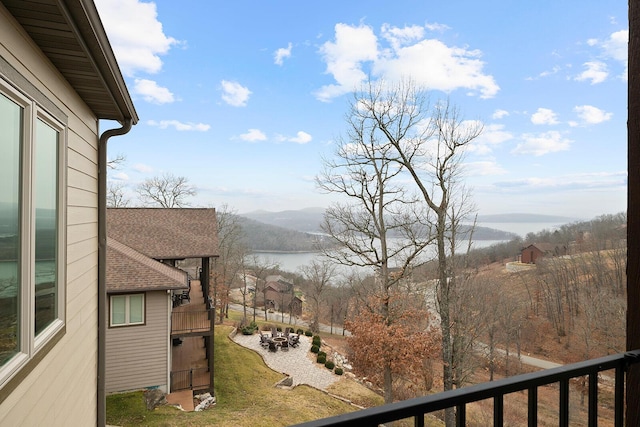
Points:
point(190, 322)
point(496, 390)
point(192, 379)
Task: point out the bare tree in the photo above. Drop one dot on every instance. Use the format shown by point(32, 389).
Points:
point(381, 226)
point(428, 144)
point(115, 162)
point(167, 191)
point(318, 275)
point(116, 197)
point(232, 250)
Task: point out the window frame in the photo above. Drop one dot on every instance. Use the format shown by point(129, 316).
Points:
point(33, 347)
point(127, 312)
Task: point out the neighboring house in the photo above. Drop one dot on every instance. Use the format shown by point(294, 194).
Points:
point(168, 236)
point(531, 253)
point(58, 79)
point(139, 291)
point(279, 295)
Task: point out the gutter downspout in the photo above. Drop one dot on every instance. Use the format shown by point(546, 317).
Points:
point(102, 265)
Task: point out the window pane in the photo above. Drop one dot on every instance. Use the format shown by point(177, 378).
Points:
point(118, 310)
point(10, 139)
point(46, 204)
point(136, 308)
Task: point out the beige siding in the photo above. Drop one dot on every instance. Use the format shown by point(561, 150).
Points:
point(137, 355)
point(62, 389)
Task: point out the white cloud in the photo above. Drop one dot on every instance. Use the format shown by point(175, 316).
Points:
point(151, 92)
point(233, 93)
point(591, 115)
point(441, 28)
point(301, 138)
point(119, 176)
point(491, 136)
point(499, 114)
point(616, 46)
point(543, 143)
point(135, 34)
point(140, 167)
point(484, 168)
point(402, 52)
point(580, 181)
point(253, 135)
point(180, 126)
point(596, 72)
point(544, 116)
point(352, 46)
point(282, 53)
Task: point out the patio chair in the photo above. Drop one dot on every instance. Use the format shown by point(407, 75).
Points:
point(287, 331)
point(294, 340)
point(273, 347)
point(274, 332)
point(284, 346)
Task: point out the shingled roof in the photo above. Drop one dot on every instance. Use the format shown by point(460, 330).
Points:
point(163, 233)
point(128, 270)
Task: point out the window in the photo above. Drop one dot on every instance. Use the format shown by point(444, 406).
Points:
point(32, 224)
point(127, 310)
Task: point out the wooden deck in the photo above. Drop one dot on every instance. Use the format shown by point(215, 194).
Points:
point(190, 322)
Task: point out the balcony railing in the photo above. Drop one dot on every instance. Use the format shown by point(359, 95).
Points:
point(496, 390)
point(190, 322)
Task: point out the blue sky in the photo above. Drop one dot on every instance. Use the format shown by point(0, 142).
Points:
point(244, 97)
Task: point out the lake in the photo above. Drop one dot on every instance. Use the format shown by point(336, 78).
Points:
point(293, 261)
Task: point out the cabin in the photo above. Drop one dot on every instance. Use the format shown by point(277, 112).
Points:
point(533, 252)
point(58, 79)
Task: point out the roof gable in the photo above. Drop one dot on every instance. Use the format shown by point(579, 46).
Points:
point(129, 270)
point(163, 233)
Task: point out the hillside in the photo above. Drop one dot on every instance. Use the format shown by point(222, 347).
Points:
point(270, 238)
point(309, 220)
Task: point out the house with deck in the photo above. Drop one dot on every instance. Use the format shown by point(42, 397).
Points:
point(166, 237)
point(140, 300)
point(58, 79)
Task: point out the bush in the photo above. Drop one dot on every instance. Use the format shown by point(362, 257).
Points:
point(329, 365)
point(308, 333)
point(299, 332)
point(322, 359)
point(279, 329)
point(322, 353)
point(338, 371)
point(247, 330)
point(315, 349)
point(316, 341)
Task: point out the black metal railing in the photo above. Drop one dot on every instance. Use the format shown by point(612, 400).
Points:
point(496, 390)
point(192, 379)
point(189, 322)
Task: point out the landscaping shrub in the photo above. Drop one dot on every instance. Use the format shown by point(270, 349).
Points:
point(308, 333)
point(322, 359)
point(315, 349)
point(322, 353)
point(329, 364)
point(338, 371)
point(299, 331)
point(316, 341)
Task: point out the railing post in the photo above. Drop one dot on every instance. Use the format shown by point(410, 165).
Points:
point(532, 398)
point(593, 399)
point(564, 403)
point(498, 411)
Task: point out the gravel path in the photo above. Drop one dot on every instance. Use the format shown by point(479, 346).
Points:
point(294, 362)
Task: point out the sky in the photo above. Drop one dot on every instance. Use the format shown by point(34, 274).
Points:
point(245, 98)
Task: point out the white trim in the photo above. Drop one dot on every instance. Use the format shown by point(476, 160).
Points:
point(127, 310)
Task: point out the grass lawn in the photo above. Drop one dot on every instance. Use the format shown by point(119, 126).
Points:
point(245, 394)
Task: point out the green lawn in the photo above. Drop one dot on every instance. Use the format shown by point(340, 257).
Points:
point(245, 394)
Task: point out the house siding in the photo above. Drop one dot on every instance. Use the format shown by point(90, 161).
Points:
point(61, 390)
point(137, 356)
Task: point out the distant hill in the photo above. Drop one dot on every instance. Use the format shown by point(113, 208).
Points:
point(305, 220)
point(270, 238)
point(525, 217)
point(290, 231)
